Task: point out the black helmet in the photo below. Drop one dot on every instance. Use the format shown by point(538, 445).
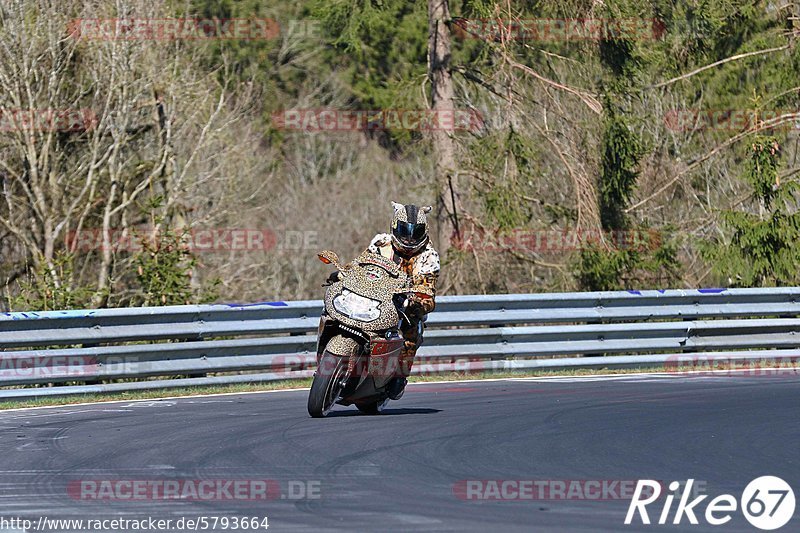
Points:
point(409, 228)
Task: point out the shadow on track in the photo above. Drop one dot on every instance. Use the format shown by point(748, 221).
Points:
point(387, 412)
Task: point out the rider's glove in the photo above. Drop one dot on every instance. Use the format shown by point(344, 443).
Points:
point(333, 278)
point(415, 307)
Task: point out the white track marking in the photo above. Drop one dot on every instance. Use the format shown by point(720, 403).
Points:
point(636, 376)
point(164, 398)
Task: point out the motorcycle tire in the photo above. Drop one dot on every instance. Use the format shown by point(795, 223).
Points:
point(329, 380)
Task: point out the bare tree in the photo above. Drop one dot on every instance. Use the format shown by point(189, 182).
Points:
point(102, 136)
point(442, 102)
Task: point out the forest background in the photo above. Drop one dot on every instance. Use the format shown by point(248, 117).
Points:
point(613, 144)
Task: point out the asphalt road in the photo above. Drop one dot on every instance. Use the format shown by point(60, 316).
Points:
point(409, 469)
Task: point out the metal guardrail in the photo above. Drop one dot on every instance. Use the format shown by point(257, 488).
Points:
point(79, 351)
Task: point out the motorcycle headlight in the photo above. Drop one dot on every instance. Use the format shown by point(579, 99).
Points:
point(356, 306)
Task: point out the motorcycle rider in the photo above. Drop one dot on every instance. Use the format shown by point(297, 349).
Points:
point(409, 246)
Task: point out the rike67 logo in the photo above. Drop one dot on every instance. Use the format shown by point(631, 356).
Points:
point(767, 503)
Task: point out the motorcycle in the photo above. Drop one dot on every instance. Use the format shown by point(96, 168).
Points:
point(359, 339)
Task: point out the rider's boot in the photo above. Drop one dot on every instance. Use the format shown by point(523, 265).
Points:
point(397, 388)
point(398, 385)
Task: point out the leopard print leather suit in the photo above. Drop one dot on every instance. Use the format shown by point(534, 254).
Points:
point(423, 270)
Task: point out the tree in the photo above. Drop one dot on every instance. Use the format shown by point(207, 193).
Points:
point(442, 102)
point(761, 249)
point(95, 129)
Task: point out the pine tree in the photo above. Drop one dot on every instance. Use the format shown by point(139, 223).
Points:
point(762, 249)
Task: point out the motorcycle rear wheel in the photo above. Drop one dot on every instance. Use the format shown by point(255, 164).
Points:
point(329, 381)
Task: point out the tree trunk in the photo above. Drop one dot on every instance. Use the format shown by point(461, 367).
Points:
point(443, 106)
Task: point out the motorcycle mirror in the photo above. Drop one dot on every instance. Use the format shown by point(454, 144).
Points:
point(328, 257)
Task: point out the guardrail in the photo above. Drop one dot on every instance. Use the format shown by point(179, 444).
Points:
point(74, 351)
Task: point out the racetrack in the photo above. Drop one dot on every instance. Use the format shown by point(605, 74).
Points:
point(405, 470)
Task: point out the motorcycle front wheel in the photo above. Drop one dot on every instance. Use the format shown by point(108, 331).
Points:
point(329, 381)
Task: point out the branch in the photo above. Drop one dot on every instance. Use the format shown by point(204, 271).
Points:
point(585, 97)
point(765, 125)
point(717, 63)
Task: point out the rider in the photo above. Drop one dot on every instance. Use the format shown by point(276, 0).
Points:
point(409, 247)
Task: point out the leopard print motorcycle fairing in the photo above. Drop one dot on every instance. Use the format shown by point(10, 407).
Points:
point(371, 276)
point(342, 346)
